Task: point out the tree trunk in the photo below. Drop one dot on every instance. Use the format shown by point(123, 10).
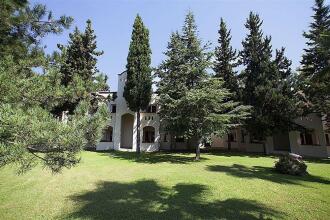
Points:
point(138, 132)
point(198, 150)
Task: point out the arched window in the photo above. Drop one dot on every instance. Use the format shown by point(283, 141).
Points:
point(148, 134)
point(107, 135)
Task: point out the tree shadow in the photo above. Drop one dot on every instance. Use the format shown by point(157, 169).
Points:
point(316, 160)
point(265, 173)
point(153, 157)
point(145, 199)
point(226, 153)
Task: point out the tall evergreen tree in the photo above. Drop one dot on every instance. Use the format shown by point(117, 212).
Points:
point(315, 75)
point(268, 86)
point(79, 70)
point(138, 87)
point(226, 59)
point(191, 103)
point(313, 59)
point(172, 86)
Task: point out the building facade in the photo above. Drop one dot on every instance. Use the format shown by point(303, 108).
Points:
point(121, 133)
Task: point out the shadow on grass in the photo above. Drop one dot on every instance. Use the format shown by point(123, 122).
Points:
point(146, 199)
point(316, 160)
point(226, 153)
point(154, 157)
point(265, 173)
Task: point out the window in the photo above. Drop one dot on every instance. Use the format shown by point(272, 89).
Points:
point(327, 139)
point(113, 108)
point(243, 136)
point(232, 136)
point(107, 135)
point(179, 139)
point(148, 134)
point(151, 109)
point(165, 137)
point(257, 139)
point(306, 138)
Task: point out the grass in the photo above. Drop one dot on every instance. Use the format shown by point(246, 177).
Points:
point(119, 185)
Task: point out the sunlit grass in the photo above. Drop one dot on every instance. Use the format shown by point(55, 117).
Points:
point(119, 185)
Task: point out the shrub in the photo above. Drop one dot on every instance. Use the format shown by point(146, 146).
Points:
point(291, 164)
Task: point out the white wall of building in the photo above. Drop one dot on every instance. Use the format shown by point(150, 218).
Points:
point(312, 122)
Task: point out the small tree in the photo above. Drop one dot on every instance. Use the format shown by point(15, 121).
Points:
point(138, 87)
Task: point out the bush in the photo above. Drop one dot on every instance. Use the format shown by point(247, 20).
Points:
point(291, 164)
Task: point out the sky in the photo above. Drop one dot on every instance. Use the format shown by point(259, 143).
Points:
point(284, 20)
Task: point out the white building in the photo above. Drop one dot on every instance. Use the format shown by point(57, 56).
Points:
point(121, 133)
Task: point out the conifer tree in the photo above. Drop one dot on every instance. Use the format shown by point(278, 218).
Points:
point(226, 59)
point(314, 60)
point(268, 86)
point(191, 103)
point(22, 26)
point(29, 133)
point(315, 75)
point(138, 87)
point(78, 69)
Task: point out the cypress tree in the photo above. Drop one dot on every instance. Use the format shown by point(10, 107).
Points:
point(226, 59)
point(138, 87)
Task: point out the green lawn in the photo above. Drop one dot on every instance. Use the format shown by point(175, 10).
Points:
point(167, 186)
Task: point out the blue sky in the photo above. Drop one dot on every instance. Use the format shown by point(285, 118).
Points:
point(284, 20)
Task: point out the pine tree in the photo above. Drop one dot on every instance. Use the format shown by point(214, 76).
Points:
point(138, 87)
point(29, 134)
point(78, 69)
point(172, 86)
point(313, 59)
point(22, 27)
point(315, 75)
point(192, 103)
point(196, 56)
point(226, 59)
point(268, 86)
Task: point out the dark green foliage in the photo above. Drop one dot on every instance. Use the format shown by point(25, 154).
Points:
point(29, 133)
point(314, 59)
point(288, 164)
point(226, 59)
point(78, 69)
point(315, 70)
point(23, 26)
point(183, 69)
point(191, 102)
point(137, 90)
point(138, 87)
point(268, 83)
